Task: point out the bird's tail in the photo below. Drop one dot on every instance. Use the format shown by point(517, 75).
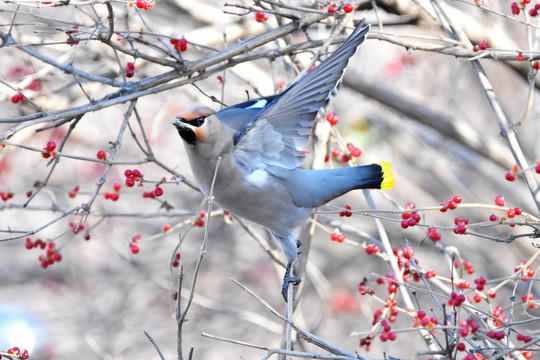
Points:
point(312, 188)
point(388, 179)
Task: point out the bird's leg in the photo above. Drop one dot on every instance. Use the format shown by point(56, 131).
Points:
point(295, 280)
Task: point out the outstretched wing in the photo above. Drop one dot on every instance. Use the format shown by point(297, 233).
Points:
point(277, 133)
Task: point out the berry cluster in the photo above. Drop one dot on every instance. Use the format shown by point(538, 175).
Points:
point(51, 255)
point(15, 351)
point(409, 219)
point(76, 228)
point(200, 221)
point(73, 192)
point(332, 118)
point(133, 245)
point(71, 40)
point(482, 46)
point(176, 260)
point(17, 98)
point(456, 299)
point(115, 194)
point(130, 69)
point(387, 333)
point(332, 7)
point(144, 4)
point(5, 196)
point(179, 44)
point(261, 17)
point(132, 177)
point(451, 204)
point(434, 234)
point(526, 272)
point(337, 236)
point(49, 150)
point(157, 192)
point(461, 226)
point(372, 249)
point(353, 151)
point(428, 322)
point(364, 290)
point(347, 212)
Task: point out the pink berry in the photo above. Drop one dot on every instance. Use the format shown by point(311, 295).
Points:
point(51, 145)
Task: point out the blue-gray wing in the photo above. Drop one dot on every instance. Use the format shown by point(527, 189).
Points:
point(278, 132)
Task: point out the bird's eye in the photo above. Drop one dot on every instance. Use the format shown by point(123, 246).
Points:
point(200, 120)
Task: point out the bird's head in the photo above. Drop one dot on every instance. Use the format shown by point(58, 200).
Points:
point(195, 124)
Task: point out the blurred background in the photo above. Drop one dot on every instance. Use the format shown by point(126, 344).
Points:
point(410, 96)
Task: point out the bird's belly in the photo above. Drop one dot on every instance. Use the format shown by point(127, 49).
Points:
point(267, 203)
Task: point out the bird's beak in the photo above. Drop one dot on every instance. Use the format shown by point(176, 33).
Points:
point(179, 124)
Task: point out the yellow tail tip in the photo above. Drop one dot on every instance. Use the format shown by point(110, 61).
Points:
point(388, 177)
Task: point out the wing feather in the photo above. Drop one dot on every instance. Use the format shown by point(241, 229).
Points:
point(276, 134)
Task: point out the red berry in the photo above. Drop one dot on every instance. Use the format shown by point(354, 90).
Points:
point(336, 152)
point(348, 8)
point(493, 217)
point(332, 10)
point(166, 227)
point(511, 213)
point(261, 17)
point(332, 118)
point(518, 210)
point(499, 200)
point(519, 57)
point(345, 158)
point(117, 186)
point(537, 168)
point(460, 347)
point(148, 195)
point(181, 44)
point(158, 191)
point(509, 176)
point(533, 12)
point(483, 45)
point(134, 248)
point(405, 224)
point(130, 182)
point(130, 68)
point(101, 155)
point(457, 199)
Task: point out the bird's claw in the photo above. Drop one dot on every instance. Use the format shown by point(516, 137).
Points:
point(295, 280)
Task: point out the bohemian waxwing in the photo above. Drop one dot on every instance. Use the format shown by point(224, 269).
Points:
point(260, 142)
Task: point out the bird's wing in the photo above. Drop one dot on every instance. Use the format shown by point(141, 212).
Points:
point(236, 116)
point(278, 132)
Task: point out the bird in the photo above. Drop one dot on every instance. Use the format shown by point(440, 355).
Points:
point(257, 148)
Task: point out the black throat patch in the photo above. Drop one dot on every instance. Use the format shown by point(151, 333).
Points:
point(188, 135)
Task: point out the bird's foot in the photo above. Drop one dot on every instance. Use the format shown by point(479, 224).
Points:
point(295, 280)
